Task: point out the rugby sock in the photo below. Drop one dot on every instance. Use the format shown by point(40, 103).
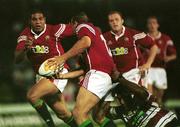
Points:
point(107, 123)
point(41, 108)
point(86, 123)
point(71, 122)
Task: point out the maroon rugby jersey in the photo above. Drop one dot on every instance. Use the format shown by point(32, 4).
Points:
point(165, 48)
point(45, 45)
point(97, 56)
point(125, 48)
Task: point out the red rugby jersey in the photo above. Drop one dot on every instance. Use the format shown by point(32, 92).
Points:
point(45, 45)
point(97, 56)
point(165, 48)
point(125, 48)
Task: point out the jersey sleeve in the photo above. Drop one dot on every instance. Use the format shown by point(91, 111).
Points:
point(144, 40)
point(170, 47)
point(21, 40)
point(85, 30)
point(63, 30)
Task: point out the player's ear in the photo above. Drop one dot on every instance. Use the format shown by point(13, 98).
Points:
point(122, 21)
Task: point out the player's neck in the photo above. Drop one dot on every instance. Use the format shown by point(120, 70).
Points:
point(154, 34)
point(119, 32)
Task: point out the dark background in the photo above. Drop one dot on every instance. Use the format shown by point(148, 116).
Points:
point(14, 17)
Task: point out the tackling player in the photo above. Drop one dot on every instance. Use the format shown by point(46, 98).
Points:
point(139, 110)
point(39, 42)
point(124, 43)
point(157, 79)
point(100, 66)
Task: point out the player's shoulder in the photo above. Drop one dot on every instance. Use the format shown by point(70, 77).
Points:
point(165, 36)
point(132, 30)
point(86, 26)
point(55, 26)
point(26, 30)
point(136, 34)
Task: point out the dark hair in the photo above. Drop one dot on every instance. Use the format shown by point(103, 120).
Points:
point(36, 10)
point(80, 18)
point(116, 12)
point(152, 17)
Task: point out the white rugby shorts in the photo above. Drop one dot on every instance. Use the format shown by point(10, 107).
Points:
point(59, 83)
point(157, 77)
point(134, 76)
point(98, 83)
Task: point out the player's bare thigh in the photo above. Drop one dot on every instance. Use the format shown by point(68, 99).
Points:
point(42, 88)
point(84, 103)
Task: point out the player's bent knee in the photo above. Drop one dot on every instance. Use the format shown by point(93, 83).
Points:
point(31, 97)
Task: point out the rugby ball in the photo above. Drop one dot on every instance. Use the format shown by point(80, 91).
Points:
point(46, 70)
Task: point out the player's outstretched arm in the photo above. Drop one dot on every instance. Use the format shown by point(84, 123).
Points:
point(78, 48)
point(69, 75)
point(152, 55)
point(20, 54)
point(138, 91)
point(170, 58)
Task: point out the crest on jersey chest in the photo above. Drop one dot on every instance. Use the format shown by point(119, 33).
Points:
point(47, 37)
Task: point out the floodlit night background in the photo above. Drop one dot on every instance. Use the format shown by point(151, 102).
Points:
point(16, 79)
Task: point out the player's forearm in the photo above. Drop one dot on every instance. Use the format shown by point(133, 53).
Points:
point(134, 89)
point(170, 58)
point(72, 74)
point(152, 54)
point(78, 48)
point(19, 56)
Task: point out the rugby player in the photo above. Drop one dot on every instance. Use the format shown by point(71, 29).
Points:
point(40, 42)
point(97, 79)
point(139, 110)
point(157, 78)
point(137, 107)
point(124, 43)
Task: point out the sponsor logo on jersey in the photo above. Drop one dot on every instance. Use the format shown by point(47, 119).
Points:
point(119, 51)
point(47, 38)
point(40, 49)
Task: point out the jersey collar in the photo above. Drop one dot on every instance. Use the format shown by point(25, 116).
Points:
point(157, 37)
point(118, 36)
point(38, 35)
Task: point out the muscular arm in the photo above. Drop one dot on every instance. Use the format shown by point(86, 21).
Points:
point(170, 58)
point(152, 54)
point(147, 65)
point(78, 47)
point(72, 74)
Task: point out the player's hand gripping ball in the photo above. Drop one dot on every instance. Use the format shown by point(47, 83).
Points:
point(46, 70)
